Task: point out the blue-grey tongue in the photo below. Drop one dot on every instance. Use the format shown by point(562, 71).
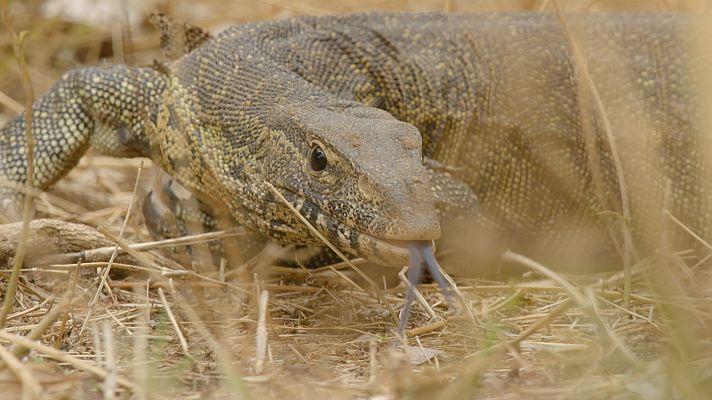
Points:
point(421, 255)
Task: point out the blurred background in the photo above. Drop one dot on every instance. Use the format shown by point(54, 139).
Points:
point(325, 341)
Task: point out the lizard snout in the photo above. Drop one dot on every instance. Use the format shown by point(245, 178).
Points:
point(420, 225)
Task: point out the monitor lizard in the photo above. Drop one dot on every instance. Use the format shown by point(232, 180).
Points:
point(381, 127)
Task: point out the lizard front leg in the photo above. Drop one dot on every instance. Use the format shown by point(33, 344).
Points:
point(171, 211)
point(453, 198)
point(102, 107)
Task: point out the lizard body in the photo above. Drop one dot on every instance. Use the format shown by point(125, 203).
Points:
point(378, 127)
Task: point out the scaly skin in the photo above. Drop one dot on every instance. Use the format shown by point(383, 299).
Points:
point(418, 115)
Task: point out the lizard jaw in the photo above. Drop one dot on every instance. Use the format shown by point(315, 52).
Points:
point(388, 252)
point(385, 251)
point(393, 252)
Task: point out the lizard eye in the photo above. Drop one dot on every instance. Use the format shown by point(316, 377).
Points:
point(317, 160)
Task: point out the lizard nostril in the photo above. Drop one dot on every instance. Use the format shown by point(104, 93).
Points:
point(409, 142)
point(355, 140)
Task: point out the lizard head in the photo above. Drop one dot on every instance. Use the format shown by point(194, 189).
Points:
point(281, 151)
point(355, 173)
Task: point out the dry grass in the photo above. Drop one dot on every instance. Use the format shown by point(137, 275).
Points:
point(163, 331)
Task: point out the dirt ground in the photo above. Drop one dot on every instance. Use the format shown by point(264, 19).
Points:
point(156, 329)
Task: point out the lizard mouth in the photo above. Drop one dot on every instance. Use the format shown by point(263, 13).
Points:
point(386, 251)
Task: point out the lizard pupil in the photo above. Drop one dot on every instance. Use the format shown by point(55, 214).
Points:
point(318, 159)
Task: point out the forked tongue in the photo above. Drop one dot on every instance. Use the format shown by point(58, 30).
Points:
point(421, 256)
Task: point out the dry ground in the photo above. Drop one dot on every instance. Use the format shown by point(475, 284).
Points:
point(164, 331)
